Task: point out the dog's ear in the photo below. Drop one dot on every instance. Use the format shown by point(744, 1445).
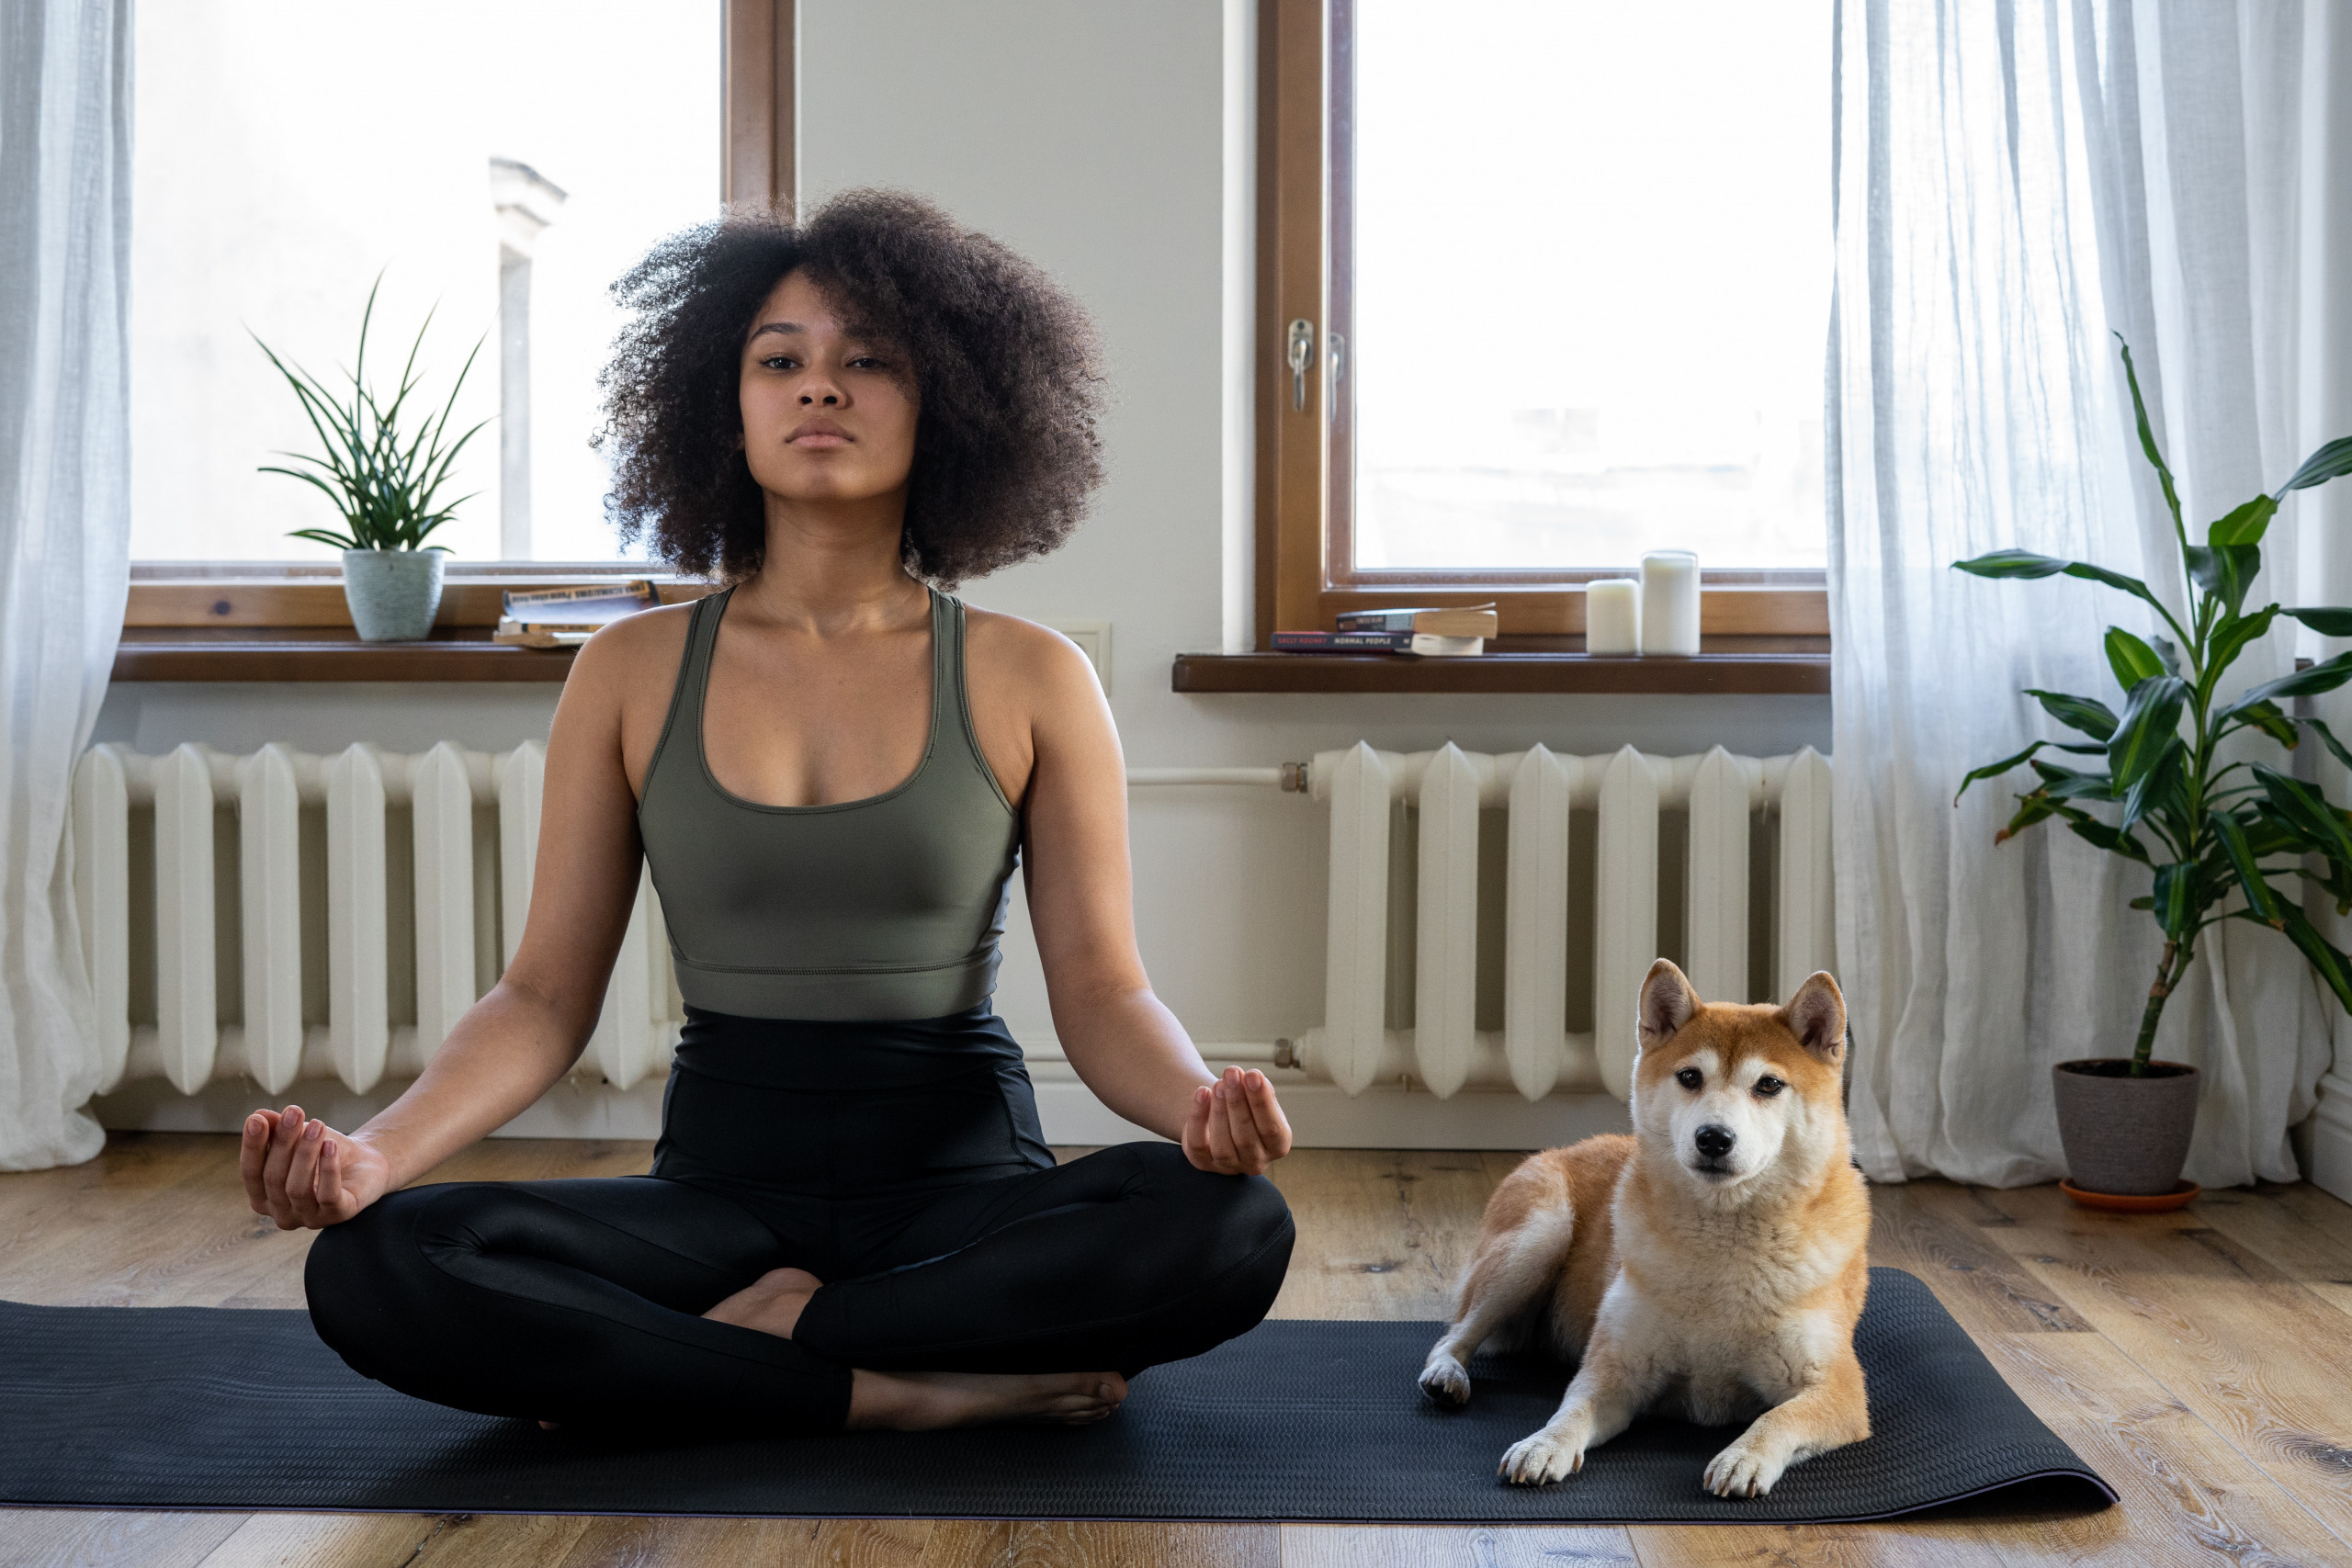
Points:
point(1816, 1016)
point(1667, 1003)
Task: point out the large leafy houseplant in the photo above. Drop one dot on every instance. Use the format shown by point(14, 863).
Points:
point(2205, 827)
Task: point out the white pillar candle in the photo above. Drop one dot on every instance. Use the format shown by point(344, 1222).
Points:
point(1671, 602)
point(1613, 615)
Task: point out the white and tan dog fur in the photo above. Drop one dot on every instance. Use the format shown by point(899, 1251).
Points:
point(1711, 1265)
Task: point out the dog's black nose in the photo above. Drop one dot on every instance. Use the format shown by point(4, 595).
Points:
point(1715, 1141)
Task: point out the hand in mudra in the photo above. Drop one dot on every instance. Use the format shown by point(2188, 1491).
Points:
point(1237, 1127)
point(303, 1173)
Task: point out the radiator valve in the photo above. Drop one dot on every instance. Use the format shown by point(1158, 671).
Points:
point(1295, 780)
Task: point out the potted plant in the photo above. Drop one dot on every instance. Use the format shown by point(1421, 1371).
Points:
point(385, 481)
point(2207, 828)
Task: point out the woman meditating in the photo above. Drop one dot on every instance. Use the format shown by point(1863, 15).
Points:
point(832, 769)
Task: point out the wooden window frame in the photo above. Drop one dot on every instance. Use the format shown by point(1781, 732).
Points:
point(1305, 460)
point(170, 600)
point(762, 148)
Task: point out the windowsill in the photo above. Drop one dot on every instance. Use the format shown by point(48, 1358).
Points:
point(1740, 666)
point(304, 597)
point(327, 653)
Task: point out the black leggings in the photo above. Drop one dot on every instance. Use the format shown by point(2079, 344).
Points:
point(902, 1167)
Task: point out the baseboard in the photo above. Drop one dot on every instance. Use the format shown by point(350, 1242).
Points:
point(1321, 1116)
point(2327, 1159)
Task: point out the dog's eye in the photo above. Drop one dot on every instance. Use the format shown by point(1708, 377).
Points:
point(1690, 1078)
point(1768, 1085)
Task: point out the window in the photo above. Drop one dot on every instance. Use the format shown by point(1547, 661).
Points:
point(1544, 283)
point(498, 162)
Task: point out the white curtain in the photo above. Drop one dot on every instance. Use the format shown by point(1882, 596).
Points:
point(64, 527)
point(2015, 179)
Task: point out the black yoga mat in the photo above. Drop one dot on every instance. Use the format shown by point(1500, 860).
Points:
point(201, 1407)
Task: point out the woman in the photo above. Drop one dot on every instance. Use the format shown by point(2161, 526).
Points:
point(831, 768)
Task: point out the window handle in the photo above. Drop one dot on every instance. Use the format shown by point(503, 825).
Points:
point(1302, 354)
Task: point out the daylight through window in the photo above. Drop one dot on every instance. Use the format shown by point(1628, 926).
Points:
point(498, 162)
point(1589, 273)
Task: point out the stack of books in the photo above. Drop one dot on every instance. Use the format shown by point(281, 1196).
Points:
point(566, 617)
point(1451, 632)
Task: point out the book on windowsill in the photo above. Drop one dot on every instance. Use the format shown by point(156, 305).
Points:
point(541, 634)
point(1451, 621)
point(1419, 643)
point(566, 617)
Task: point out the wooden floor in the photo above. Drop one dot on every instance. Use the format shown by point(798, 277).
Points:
point(2202, 1361)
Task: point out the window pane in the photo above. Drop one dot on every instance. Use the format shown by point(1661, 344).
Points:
point(1591, 282)
point(288, 151)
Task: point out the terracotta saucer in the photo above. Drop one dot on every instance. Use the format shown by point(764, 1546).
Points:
point(2133, 1202)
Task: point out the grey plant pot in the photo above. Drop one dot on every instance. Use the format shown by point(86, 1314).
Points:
point(2122, 1134)
point(393, 594)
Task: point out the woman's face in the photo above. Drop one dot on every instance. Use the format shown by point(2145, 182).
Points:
point(829, 412)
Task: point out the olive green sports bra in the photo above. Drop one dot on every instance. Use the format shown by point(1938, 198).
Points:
point(886, 908)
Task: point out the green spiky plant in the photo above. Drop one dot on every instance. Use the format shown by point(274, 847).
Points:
point(2201, 831)
point(385, 481)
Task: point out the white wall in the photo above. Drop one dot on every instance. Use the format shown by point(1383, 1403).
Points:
point(1095, 139)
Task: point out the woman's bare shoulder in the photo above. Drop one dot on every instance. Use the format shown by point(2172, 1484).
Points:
point(635, 654)
point(1004, 647)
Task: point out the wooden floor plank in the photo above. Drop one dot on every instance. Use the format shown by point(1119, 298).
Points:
point(2006, 1209)
point(1936, 1545)
point(613, 1542)
point(2318, 1208)
point(911, 1543)
point(90, 1537)
point(2261, 1360)
point(2293, 1230)
point(1936, 1232)
point(1383, 1232)
point(166, 1208)
point(2189, 1494)
point(501, 1540)
point(1423, 1546)
point(326, 1541)
point(1098, 1545)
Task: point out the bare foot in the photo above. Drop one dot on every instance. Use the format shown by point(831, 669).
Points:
point(925, 1401)
point(772, 1303)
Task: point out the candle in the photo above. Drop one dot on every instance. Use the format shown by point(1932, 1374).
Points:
point(1612, 617)
point(1670, 602)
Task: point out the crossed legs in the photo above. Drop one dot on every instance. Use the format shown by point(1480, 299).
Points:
point(586, 1299)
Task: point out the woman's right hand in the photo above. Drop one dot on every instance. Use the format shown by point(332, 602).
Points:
point(302, 1173)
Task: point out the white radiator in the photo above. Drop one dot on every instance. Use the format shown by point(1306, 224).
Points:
point(369, 900)
point(287, 917)
point(1459, 915)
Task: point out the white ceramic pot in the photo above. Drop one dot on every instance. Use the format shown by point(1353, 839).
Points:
point(393, 594)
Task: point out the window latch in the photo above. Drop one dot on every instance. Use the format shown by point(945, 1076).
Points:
point(1302, 354)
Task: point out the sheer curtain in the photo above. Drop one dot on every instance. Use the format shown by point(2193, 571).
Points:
point(2015, 181)
point(64, 526)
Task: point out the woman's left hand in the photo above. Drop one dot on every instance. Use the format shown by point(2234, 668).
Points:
point(1237, 1127)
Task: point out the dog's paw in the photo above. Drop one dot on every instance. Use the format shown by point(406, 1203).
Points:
point(1540, 1459)
point(1743, 1470)
point(1446, 1381)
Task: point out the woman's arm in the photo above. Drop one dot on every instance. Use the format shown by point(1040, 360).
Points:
point(511, 1047)
point(1125, 1046)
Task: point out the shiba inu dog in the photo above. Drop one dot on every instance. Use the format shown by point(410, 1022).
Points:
point(1712, 1265)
